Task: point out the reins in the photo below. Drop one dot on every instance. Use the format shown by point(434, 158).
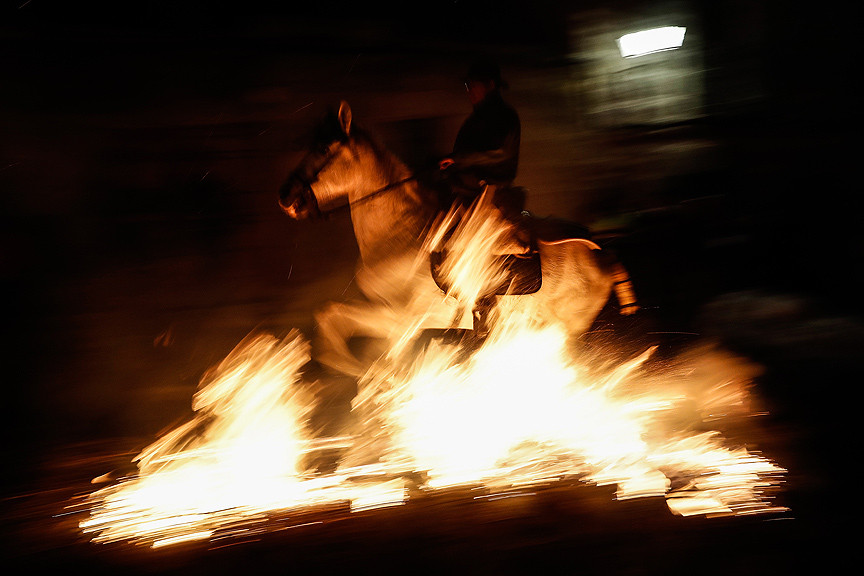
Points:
point(366, 197)
point(381, 190)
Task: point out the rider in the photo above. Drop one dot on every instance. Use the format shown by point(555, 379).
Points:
point(486, 151)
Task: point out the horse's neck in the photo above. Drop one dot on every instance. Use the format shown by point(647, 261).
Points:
point(389, 221)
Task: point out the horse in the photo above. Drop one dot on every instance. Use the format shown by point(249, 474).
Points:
point(394, 215)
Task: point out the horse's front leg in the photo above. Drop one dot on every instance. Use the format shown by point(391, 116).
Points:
point(339, 326)
point(348, 338)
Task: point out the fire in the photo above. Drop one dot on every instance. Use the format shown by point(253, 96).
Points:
point(239, 454)
point(520, 409)
point(521, 412)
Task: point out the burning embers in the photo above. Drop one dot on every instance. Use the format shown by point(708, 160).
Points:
point(521, 409)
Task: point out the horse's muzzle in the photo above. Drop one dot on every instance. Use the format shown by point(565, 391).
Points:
point(298, 201)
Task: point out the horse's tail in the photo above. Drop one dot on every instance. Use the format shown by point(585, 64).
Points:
point(621, 283)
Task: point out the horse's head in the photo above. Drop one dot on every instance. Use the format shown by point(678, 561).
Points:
point(311, 189)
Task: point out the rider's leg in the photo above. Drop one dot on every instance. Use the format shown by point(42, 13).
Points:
point(510, 202)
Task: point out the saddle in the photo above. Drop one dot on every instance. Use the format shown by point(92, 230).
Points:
point(522, 271)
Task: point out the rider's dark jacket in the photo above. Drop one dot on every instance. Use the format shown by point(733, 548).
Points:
point(487, 145)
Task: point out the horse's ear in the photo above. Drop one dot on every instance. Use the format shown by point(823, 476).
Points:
point(344, 116)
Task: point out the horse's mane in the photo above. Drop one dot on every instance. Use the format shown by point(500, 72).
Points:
point(391, 166)
point(328, 130)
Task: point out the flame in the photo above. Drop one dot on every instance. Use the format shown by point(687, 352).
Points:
point(520, 412)
point(241, 454)
point(471, 237)
point(520, 409)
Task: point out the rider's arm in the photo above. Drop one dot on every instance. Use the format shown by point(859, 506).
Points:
point(501, 160)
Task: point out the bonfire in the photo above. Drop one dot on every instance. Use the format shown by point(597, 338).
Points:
point(522, 408)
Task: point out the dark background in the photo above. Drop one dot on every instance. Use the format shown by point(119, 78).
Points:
point(142, 144)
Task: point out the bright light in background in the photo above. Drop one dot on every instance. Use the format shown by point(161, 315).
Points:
point(650, 41)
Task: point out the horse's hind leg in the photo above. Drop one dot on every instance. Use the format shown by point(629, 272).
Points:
point(622, 285)
point(624, 290)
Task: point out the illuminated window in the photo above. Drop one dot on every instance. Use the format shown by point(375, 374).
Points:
point(650, 41)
